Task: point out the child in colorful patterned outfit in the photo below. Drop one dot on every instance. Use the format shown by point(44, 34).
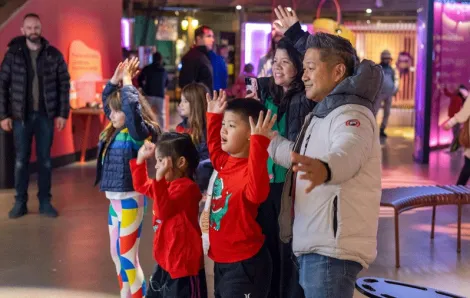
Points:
point(177, 246)
point(239, 154)
point(193, 109)
point(132, 122)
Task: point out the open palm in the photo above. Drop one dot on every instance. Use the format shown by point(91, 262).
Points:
point(264, 125)
point(285, 19)
point(217, 103)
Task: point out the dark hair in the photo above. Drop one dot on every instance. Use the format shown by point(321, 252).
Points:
point(246, 107)
point(277, 92)
point(178, 145)
point(31, 15)
point(157, 58)
point(334, 49)
point(199, 32)
point(248, 68)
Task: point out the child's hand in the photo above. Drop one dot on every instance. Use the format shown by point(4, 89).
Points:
point(264, 125)
point(117, 77)
point(218, 103)
point(165, 167)
point(131, 68)
point(145, 152)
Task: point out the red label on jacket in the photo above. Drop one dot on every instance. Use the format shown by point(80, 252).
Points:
point(353, 122)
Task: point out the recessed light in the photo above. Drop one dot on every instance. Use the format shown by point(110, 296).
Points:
point(368, 10)
point(289, 9)
point(238, 7)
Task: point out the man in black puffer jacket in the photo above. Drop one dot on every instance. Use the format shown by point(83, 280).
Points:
point(34, 92)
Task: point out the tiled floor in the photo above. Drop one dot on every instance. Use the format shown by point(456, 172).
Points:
point(69, 256)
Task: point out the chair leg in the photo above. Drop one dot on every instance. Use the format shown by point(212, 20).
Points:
point(433, 221)
point(397, 241)
point(459, 226)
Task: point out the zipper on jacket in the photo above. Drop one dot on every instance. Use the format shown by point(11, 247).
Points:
point(335, 216)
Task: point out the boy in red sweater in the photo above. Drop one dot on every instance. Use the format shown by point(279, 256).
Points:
point(238, 152)
point(177, 246)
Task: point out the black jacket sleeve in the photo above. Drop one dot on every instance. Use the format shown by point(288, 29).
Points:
point(64, 87)
point(187, 72)
point(298, 37)
point(5, 81)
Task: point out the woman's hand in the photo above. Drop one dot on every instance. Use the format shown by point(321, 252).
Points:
point(252, 95)
point(145, 152)
point(218, 103)
point(264, 125)
point(285, 19)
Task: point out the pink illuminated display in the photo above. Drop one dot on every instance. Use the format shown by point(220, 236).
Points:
point(125, 33)
point(257, 41)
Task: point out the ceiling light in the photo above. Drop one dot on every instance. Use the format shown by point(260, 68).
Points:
point(368, 10)
point(289, 9)
point(184, 25)
point(238, 7)
point(194, 23)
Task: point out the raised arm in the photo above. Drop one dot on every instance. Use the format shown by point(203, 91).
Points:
point(215, 109)
point(288, 23)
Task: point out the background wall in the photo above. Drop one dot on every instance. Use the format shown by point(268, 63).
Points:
point(97, 23)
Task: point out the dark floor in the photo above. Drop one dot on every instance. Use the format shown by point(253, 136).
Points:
point(69, 256)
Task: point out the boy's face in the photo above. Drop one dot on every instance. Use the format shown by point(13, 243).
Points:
point(235, 135)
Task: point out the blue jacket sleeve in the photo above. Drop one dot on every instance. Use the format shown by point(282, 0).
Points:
point(108, 90)
point(138, 129)
point(298, 37)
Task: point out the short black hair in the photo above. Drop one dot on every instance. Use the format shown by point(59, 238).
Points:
point(246, 107)
point(175, 145)
point(157, 58)
point(334, 48)
point(31, 15)
point(199, 32)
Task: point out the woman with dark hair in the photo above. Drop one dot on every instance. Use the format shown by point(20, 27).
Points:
point(284, 95)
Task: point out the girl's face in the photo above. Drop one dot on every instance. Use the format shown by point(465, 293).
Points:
point(177, 170)
point(283, 69)
point(118, 118)
point(184, 107)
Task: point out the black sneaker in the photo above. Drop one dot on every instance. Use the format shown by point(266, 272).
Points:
point(48, 210)
point(382, 133)
point(18, 210)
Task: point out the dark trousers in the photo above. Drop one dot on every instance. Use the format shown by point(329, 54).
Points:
point(465, 173)
point(161, 285)
point(285, 277)
point(42, 128)
point(248, 278)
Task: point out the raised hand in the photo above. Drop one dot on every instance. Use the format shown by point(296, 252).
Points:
point(285, 19)
point(264, 125)
point(163, 168)
point(217, 103)
point(118, 73)
point(312, 170)
point(145, 152)
point(133, 67)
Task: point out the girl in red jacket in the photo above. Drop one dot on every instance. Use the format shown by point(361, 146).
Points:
point(177, 245)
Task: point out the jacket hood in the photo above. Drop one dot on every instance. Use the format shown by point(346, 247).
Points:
point(361, 89)
point(21, 40)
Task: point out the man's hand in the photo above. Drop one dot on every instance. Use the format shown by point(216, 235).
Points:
point(310, 169)
point(60, 123)
point(145, 152)
point(264, 125)
point(218, 103)
point(285, 19)
point(7, 124)
point(165, 167)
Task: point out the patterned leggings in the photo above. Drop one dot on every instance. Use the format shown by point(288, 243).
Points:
point(125, 226)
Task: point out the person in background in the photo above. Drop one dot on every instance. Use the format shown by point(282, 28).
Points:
point(238, 89)
point(266, 62)
point(388, 91)
point(153, 80)
point(34, 92)
point(193, 108)
point(461, 117)
point(224, 52)
point(457, 99)
point(219, 67)
point(196, 65)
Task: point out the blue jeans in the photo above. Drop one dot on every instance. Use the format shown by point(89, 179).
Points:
point(325, 277)
point(43, 129)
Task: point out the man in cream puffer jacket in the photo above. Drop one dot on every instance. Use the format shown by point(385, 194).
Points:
point(337, 189)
